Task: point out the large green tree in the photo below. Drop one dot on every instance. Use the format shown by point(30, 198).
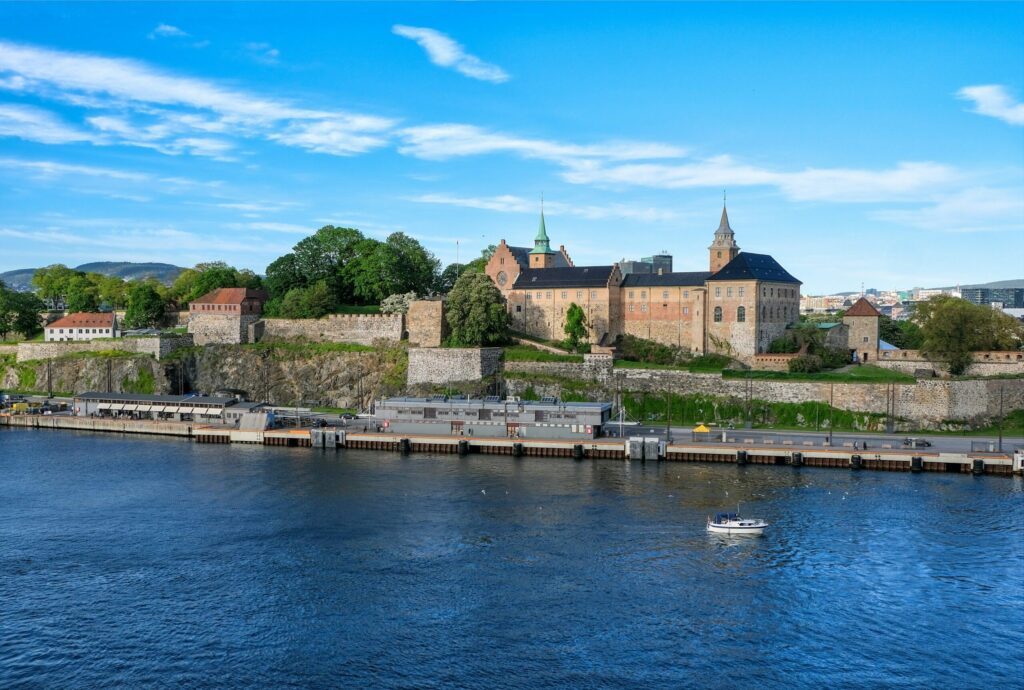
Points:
point(193, 283)
point(81, 294)
point(906, 335)
point(575, 326)
point(476, 313)
point(284, 274)
point(52, 282)
point(952, 329)
point(145, 306)
point(398, 265)
point(19, 313)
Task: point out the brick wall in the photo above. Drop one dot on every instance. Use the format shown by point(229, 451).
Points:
point(363, 329)
point(778, 362)
point(158, 346)
point(450, 365)
point(425, 323)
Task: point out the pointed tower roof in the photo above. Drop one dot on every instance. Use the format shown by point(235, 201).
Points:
point(723, 226)
point(541, 243)
point(862, 308)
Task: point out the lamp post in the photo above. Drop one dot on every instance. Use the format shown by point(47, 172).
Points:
point(830, 400)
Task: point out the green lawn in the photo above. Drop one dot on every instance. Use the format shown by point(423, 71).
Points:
point(862, 374)
point(525, 353)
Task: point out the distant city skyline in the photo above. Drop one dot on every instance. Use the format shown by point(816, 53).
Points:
point(856, 146)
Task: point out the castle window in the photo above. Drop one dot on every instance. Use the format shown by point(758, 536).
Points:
point(741, 314)
point(630, 307)
point(564, 294)
point(529, 295)
point(664, 294)
point(548, 295)
point(643, 294)
point(501, 261)
point(540, 294)
point(718, 314)
point(631, 294)
point(519, 307)
point(719, 255)
point(741, 292)
point(643, 307)
point(728, 292)
point(579, 294)
point(593, 294)
point(686, 311)
point(686, 294)
point(718, 292)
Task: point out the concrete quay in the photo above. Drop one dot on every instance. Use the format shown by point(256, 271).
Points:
point(636, 448)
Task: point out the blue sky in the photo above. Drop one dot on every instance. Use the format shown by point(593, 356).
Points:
point(871, 143)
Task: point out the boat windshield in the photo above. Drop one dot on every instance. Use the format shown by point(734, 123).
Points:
point(723, 517)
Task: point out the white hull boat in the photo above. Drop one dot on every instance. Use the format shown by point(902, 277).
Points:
point(733, 524)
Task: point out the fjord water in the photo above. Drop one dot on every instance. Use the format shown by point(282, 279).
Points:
point(146, 562)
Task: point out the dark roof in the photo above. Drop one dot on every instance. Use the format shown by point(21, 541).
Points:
point(568, 276)
point(747, 266)
point(665, 279)
point(166, 399)
point(522, 255)
point(862, 308)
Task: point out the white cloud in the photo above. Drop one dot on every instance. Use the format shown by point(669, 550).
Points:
point(35, 124)
point(167, 31)
point(263, 52)
point(976, 209)
point(445, 52)
point(514, 204)
point(440, 142)
point(995, 101)
point(160, 110)
point(54, 169)
point(262, 207)
point(291, 228)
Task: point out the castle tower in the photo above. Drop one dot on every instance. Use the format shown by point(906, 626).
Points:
point(723, 248)
point(541, 255)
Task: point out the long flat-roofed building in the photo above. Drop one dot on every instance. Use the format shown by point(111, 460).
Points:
point(171, 408)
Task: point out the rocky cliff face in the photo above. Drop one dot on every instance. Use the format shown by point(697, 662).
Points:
point(135, 374)
point(296, 376)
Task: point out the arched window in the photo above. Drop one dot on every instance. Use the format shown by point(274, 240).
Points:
point(741, 314)
point(718, 314)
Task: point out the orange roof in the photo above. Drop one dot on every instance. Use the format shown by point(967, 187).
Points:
point(85, 319)
point(862, 308)
point(230, 296)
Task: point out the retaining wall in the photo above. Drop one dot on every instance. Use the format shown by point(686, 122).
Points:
point(362, 329)
point(985, 363)
point(159, 346)
point(447, 365)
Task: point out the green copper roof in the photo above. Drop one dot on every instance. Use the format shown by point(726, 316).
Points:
point(541, 244)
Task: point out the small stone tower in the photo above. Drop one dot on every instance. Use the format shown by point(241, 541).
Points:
point(723, 248)
point(541, 255)
point(861, 321)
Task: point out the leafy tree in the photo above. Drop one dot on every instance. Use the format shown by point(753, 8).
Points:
point(478, 264)
point(575, 326)
point(110, 290)
point(81, 294)
point(954, 328)
point(307, 302)
point(397, 304)
point(283, 274)
point(446, 281)
point(476, 312)
point(19, 312)
point(52, 282)
point(322, 254)
point(398, 265)
point(805, 364)
point(145, 306)
point(905, 335)
point(193, 283)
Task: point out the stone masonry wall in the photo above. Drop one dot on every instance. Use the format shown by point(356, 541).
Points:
point(220, 329)
point(927, 401)
point(363, 329)
point(425, 323)
point(985, 363)
point(157, 346)
point(449, 365)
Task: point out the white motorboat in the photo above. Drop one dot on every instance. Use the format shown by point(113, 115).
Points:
point(732, 523)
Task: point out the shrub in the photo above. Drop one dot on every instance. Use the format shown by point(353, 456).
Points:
point(642, 350)
point(805, 364)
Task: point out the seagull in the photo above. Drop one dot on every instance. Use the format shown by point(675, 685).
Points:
point(483, 491)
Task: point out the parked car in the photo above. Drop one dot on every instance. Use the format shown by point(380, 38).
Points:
point(917, 443)
point(348, 416)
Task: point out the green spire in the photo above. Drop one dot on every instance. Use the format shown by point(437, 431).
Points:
point(541, 243)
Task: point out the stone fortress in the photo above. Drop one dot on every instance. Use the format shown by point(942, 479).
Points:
point(737, 307)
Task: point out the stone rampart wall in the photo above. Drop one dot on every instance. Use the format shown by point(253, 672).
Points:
point(425, 323)
point(927, 401)
point(985, 363)
point(220, 329)
point(159, 346)
point(439, 365)
point(779, 362)
point(363, 329)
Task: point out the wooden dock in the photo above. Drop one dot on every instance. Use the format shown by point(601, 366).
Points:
point(752, 453)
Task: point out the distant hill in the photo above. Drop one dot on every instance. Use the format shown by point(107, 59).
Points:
point(1018, 283)
point(21, 279)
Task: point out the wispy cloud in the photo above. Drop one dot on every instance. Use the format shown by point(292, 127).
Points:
point(153, 107)
point(446, 52)
point(976, 209)
point(443, 141)
point(55, 169)
point(290, 228)
point(167, 31)
point(515, 204)
point(35, 124)
point(263, 53)
point(995, 101)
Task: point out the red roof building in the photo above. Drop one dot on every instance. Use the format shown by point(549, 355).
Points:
point(862, 308)
point(82, 326)
point(230, 301)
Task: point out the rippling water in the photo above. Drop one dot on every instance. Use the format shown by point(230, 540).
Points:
point(143, 562)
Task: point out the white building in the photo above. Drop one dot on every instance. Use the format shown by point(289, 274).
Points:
point(82, 326)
